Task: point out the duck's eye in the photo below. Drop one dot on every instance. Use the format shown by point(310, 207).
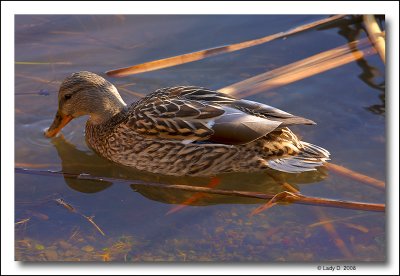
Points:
point(67, 96)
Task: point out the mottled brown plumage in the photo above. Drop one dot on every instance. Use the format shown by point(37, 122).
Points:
point(184, 130)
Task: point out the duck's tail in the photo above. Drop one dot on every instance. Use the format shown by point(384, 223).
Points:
point(309, 157)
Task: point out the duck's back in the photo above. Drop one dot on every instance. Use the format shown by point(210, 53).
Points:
point(198, 114)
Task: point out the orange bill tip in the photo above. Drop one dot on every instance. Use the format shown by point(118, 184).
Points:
point(59, 122)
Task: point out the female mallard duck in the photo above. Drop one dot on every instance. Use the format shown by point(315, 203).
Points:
point(184, 130)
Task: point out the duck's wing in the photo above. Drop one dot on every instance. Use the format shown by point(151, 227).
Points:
point(197, 114)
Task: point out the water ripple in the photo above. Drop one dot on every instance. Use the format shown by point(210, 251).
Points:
point(33, 133)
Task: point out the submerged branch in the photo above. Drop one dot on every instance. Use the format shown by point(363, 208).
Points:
point(38, 79)
point(341, 219)
point(22, 221)
point(356, 176)
point(90, 219)
point(331, 230)
point(190, 57)
point(42, 63)
point(214, 182)
point(376, 35)
point(289, 198)
point(72, 209)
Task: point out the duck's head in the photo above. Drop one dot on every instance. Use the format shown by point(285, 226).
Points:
point(85, 93)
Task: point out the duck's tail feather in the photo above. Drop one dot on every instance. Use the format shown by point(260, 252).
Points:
point(309, 157)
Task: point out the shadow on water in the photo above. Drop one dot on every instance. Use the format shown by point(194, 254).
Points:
point(352, 29)
point(76, 161)
point(370, 75)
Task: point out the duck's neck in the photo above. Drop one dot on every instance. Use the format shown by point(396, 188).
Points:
point(97, 135)
point(105, 107)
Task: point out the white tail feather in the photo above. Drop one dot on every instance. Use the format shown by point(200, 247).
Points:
point(309, 157)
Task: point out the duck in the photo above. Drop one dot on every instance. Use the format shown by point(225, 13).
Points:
point(184, 130)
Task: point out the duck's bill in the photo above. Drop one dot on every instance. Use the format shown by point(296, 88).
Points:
point(59, 122)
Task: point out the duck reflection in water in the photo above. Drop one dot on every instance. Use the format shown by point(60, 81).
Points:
point(77, 161)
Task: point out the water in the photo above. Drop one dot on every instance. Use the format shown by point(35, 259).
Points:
point(144, 223)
